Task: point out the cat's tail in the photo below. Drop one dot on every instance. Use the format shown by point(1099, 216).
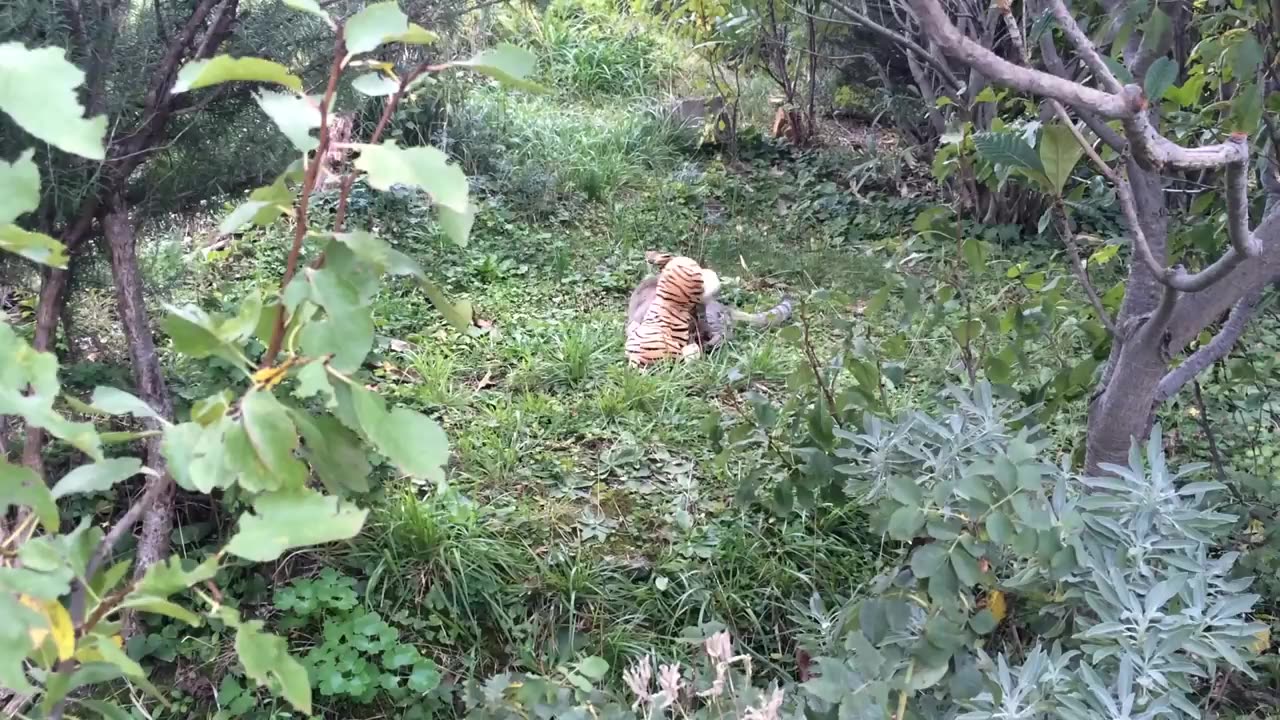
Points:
point(776, 315)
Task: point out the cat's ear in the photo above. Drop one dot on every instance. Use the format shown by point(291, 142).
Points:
point(658, 258)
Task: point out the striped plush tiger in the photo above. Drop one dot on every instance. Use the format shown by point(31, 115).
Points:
point(666, 330)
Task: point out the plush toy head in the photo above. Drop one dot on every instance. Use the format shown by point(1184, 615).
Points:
point(684, 280)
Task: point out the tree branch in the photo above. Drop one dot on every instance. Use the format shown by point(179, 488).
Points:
point(1212, 351)
point(861, 20)
point(1084, 46)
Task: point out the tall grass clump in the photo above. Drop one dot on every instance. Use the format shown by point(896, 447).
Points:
point(536, 151)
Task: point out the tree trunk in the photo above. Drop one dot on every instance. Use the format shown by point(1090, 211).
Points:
point(153, 545)
point(1123, 410)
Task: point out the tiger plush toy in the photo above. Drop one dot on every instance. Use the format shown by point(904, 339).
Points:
point(712, 320)
point(666, 329)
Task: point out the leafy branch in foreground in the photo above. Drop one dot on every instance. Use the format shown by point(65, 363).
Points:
point(298, 414)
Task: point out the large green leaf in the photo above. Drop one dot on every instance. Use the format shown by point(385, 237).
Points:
point(1059, 153)
point(264, 205)
point(15, 641)
point(38, 90)
point(1008, 150)
point(167, 577)
point(346, 331)
point(374, 25)
point(118, 402)
point(506, 63)
point(414, 442)
point(457, 225)
point(1160, 77)
point(286, 520)
point(423, 167)
point(96, 477)
point(28, 387)
point(373, 250)
point(309, 6)
point(224, 68)
point(270, 431)
point(34, 246)
point(21, 486)
point(19, 187)
point(295, 115)
point(375, 84)
point(199, 334)
point(266, 659)
point(458, 313)
point(334, 453)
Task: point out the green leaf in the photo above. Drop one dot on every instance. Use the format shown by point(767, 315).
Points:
point(458, 314)
point(1244, 57)
point(167, 577)
point(456, 225)
point(417, 35)
point(593, 667)
point(973, 487)
point(415, 443)
point(118, 402)
point(224, 68)
point(295, 115)
point(927, 559)
point(270, 431)
point(375, 84)
point(309, 6)
point(1006, 148)
point(424, 678)
point(905, 522)
point(374, 25)
point(286, 520)
point(103, 709)
point(34, 246)
point(1160, 77)
point(38, 90)
point(983, 622)
point(904, 489)
point(507, 64)
point(999, 528)
point(157, 606)
point(19, 187)
point(97, 477)
point(1059, 153)
point(966, 567)
point(21, 486)
point(334, 453)
point(264, 205)
point(266, 659)
point(422, 167)
point(313, 380)
point(1246, 108)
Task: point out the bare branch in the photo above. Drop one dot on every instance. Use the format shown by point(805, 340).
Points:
point(938, 26)
point(1084, 46)
point(903, 41)
point(1082, 273)
point(1212, 351)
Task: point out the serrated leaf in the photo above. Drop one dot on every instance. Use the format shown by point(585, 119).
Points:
point(270, 431)
point(1059, 153)
point(927, 559)
point(375, 84)
point(1160, 77)
point(505, 63)
point(286, 520)
point(295, 115)
point(425, 167)
point(224, 68)
point(118, 402)
point(411, 440)
point(38, 90)
point(424, 678)
point(374, 25)
point(34, 246)
point(334, 453)
point(167, 577)
point(266, 659)
point(22, 487)
point(96, 477)
point(19, 187)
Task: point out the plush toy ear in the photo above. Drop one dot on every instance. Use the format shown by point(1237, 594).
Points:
point(658, 258)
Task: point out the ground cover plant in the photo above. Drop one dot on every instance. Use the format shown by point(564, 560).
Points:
point(415, 477)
